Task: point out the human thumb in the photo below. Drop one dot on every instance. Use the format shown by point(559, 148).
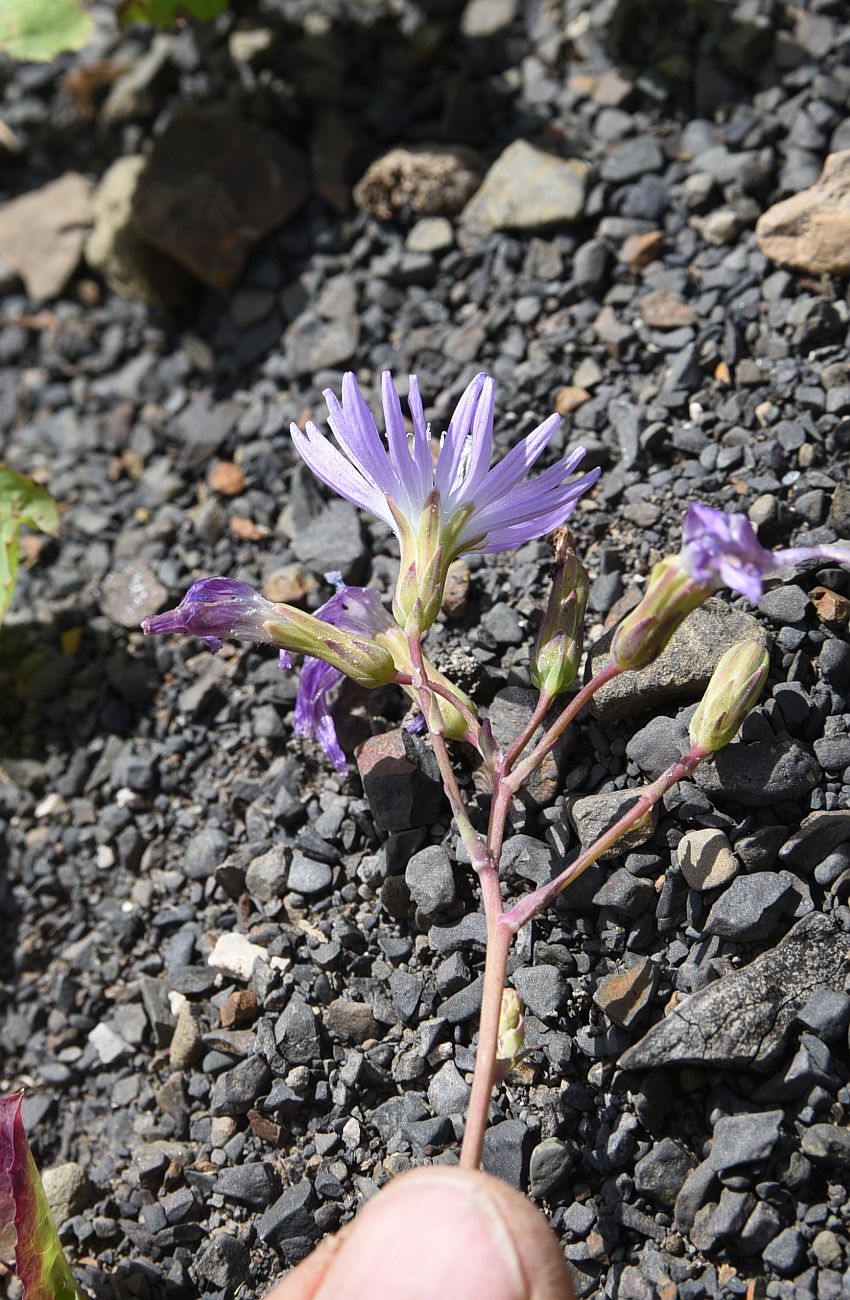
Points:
point(439, 1233)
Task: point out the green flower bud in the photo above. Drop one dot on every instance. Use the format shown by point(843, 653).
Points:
point(511, 1033)
point(557, 652)
point(671, 594)
point(735, 685)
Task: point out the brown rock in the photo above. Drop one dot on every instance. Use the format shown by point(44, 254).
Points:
point(129, 265)
point(626, 993)
point(428, 180)
point(227, 478)
point(353, 1022)
point(265, 1129)
point(213, 186)
point(664, 311)
point(186, 1046)
point(811, 230)
point(570, 398)
point(289, 584)
point(42, 234)
point(457, 589)
point(639, 250)
point(246, 530)
point(238, 1009)
point(832, 609)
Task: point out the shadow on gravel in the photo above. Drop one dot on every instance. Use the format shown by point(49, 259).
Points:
point(63, 681)
point(694, 49)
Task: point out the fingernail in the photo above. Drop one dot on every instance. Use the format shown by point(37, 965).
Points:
point(439, 1237)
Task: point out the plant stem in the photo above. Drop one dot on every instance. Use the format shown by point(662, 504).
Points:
point(542, 707)
point(522, 772)
point(469, 835)
point(529, 906)
point(495, 971)
point(437, 688)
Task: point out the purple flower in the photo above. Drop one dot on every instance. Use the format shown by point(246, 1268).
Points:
point(215, 608)
point(352, 609)
point(439, 509)
point(218, 607)
point(722, 550)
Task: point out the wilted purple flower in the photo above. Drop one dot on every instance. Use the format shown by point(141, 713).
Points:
point(215, 608)
point(439, 509)
point(722, 550)
point(718, 550)
point(218, 607)
point(352, 609)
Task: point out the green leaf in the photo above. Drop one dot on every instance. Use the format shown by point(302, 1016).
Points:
point(28, 1238)
point(165, 13)
point(35, 30)
point(21, 502)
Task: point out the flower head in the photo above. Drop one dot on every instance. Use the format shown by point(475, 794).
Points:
point(439, 508)
point(722, 550)
point(718, 550)
point(215, 608)
point(218, 607)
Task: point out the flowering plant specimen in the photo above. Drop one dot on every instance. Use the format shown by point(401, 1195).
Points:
point(440, 506)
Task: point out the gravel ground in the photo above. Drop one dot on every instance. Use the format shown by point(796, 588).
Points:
point(242, 989)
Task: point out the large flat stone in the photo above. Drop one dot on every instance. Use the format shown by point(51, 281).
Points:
point(683, 671)
point(743, 1018)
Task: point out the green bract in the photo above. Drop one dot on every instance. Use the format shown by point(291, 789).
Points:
point(21, 502)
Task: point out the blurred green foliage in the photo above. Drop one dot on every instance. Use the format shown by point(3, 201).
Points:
point(165, 13)
point(35, 30)
point(22, 501)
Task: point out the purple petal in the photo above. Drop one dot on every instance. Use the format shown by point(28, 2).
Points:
point(412, 490)
point(481, 447)
point(454, 442)
point(312, 708)
point(421, 449)
point(338, 473)
point(354, 428)
point(519, 461)
point(214, 608)
point(541, 496)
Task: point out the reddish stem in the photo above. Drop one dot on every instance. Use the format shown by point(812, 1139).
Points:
point(529, 906)
point(521, 773)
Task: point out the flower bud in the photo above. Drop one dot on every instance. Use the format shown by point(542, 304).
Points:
point(671, 594)
point(557, 652)
point(735, 685)
point(511, 1033)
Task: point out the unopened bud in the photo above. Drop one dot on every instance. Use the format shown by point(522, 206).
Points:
point(557, 652)
point(671, 594)
point(735, 685)
point(511, 1033)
